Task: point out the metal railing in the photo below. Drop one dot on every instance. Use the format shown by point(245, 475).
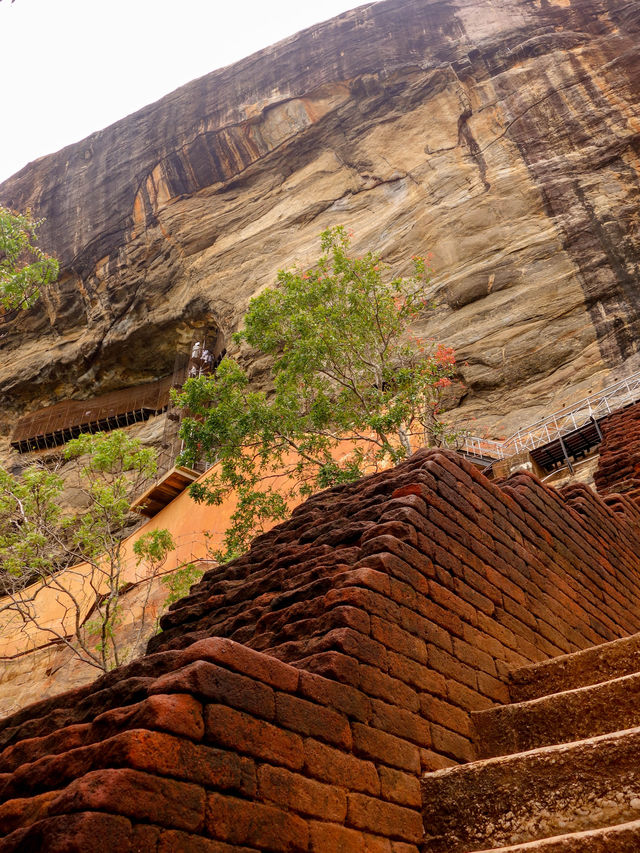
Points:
point(483, 447)
point(616, 396)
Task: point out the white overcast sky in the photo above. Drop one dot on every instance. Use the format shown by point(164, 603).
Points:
point(70, 67)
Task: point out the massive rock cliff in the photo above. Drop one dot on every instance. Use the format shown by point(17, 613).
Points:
point(502, 135)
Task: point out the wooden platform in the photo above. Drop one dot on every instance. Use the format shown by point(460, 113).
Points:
point(164, 491)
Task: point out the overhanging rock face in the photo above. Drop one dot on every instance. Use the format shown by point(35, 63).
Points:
point(500, 134)
point(294, 699)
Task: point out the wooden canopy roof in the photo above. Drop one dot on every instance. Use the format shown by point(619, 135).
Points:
point(67, 419)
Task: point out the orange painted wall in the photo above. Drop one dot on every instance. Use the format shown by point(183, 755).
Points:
point(198, 530)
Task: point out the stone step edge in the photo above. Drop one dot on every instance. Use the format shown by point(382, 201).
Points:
point(558, 748)
point(547, 845)
point(525, 677)
point(550, 698)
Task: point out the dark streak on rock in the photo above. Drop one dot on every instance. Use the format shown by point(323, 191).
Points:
point(466, 136)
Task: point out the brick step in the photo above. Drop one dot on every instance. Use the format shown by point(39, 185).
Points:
point(579, 669)
point(585, 785)
point(559, 718)
point(623, 838)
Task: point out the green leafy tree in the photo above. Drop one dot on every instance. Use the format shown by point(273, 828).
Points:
point(179, 583)
point(24, 268)
point(344, 368)
point(79, 557)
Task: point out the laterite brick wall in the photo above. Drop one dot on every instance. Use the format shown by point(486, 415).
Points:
point(294, 698)
point(217, 742)
point(619, 462)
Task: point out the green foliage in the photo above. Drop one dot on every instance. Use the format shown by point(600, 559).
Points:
point(344, 367)
point(180, 582)
point(28, 511)
point(24, 268)
point(37, 540)
point(153, 547)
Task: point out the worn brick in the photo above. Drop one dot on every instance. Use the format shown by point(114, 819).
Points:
point(394, 567)
point(171, 841)
point(455, 603)
point(403, 591)
point(400, 530)
point(384, 818)
point(153, 752)
point(255, 824)
point(22, 811)
point(236, 730)
point(163, 754)
point(451, 743)
point(309, 718)
point(393, 637)
point(213, 683)
point(477, 600)
point(401, 847)
point(376, 844)
point(31, 749)
point(176, 805)
point(379, 684)
point(381, 746)
point(333, 665)
point(425, 629)
point(325, 837)
point(442, 616)
point(176, 713)
point(430, 761)
point(331, 765)
point(417, 675)
point(144, 837)
point(399, 787)
point(364, 575)
point(473, 656)
point(397, 721)
point(502, 574)
point(413, 556)
point(354, 703)
point(74, 833)
point(244, 660)
point(364, 599)
point(488, 644)
point(493, 688)
point(450, 667)
point(351, 643)
point(306, 796)
point(466, 698)
point(445, 714)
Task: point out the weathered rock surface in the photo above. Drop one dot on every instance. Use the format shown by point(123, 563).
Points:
point(504, 136)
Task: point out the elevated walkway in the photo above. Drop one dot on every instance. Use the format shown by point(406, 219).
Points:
point(58, 424)
point(568, 433)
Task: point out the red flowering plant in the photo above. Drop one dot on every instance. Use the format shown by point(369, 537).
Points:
point(344, 366)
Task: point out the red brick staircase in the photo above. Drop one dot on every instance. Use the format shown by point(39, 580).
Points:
point(559, 769)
